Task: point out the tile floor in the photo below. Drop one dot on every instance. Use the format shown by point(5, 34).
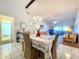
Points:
point(14, 51)
point(67, 52)
point(11, 51)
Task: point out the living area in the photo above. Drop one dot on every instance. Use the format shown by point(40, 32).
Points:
point(39, 29)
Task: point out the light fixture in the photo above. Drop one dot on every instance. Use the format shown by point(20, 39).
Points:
point(55, 22)
point(38, 18)
point(35, 17)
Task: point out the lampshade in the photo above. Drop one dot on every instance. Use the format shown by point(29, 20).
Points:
point(69, 29)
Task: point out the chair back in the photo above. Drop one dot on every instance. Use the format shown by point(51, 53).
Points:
point(53, 49)
point(27, 40)
point(56, 39)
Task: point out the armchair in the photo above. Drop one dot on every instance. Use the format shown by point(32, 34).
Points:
point(70, 37)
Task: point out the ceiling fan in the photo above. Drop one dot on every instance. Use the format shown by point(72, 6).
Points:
point(28, 5)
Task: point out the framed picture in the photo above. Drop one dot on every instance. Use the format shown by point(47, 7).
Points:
point(22, 25)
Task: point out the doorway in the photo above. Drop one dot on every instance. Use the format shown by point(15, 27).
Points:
point(5, 29)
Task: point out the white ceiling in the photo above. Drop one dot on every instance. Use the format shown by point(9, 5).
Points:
point(63, 11)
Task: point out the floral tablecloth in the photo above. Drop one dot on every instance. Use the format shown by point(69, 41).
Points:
point(43, 43)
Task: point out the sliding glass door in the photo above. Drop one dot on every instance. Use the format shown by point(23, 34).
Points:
point(5, 30)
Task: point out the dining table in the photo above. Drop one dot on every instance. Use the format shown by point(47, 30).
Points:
point(43, 43)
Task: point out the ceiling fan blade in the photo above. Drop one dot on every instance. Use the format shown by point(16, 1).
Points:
point(30, 3)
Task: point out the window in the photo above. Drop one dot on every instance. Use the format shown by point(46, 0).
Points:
point(61, 28)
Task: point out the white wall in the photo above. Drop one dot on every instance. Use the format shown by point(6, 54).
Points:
point(76, 25)
point(76, 28)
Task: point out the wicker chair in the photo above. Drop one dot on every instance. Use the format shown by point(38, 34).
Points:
point(70, 38)
point(29, 51)
point(54, 47)
point(41, 55)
